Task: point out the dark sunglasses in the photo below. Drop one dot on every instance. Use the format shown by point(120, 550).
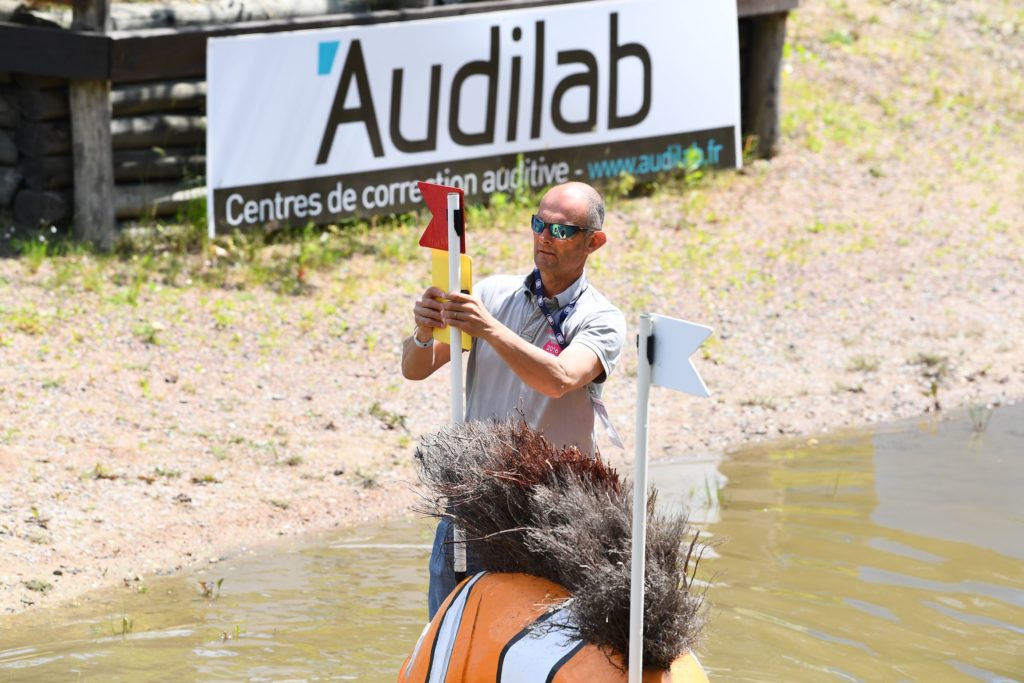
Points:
point(560, 231)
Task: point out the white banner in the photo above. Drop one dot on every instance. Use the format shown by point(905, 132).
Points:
point(448, 99)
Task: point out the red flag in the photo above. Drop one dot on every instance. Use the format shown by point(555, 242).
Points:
point(436, 234)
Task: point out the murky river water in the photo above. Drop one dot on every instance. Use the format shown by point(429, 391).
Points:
point(896, 555)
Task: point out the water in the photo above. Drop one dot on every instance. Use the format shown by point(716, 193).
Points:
point(896, 555)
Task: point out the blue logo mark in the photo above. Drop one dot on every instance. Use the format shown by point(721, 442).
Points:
point(328, 51)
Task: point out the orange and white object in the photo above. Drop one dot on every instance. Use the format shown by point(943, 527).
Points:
point(504, 628)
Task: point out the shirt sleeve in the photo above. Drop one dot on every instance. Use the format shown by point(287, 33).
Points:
point(604, 333)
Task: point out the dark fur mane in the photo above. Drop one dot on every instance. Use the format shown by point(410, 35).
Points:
point(558, 514)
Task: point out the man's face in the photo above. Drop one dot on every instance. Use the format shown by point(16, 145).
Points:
point(564, 257)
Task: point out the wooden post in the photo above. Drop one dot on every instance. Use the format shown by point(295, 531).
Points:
point(89, 102)
point(761, 107)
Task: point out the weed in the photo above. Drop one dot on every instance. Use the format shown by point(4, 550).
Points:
point(863, 364)
point(33, 252)
point(100, 471)
point(124, 629)
point(38, 586)
point(166, 473)
point(204, 479)
point(225, 636)
point(759, 402)
point(279, 504)
point(979, 416)
point(933, 366)
point(210, 589)
point(148, 332)
point(389, 420)
point(619, 188)
point(933, 394)
point(27, 321)
point(367, 480)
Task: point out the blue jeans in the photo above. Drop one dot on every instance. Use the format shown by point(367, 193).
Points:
point(442, 575)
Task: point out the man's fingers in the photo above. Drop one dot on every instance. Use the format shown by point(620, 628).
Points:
point(458, 297)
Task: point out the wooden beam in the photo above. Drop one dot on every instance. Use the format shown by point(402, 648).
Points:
point(8, 107)
point(92, 149)
point(760, 114)
point(130, 166)
point(158, 54)
point(170, 53)
point(10, 178)
point(753, 8)
point(8, 148)
point(83, 55)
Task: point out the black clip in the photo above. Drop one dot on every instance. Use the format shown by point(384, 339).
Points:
point(460, 227)
point(650, 348)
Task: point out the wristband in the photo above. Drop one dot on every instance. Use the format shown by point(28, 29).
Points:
point(423, 345)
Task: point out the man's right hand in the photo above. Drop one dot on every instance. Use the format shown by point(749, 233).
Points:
point(420, 362)
point(427, 310)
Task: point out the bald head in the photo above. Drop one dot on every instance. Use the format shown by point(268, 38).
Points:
point(586, 202)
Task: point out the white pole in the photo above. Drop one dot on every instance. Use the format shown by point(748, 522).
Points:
point(636, 598)
point(455, 285)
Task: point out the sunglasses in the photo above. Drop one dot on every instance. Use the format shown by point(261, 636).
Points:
point(560, 231)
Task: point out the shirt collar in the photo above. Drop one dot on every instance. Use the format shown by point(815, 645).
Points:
point(563, 298)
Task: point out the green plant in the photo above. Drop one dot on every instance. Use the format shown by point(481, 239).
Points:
point(166, 473)
point(148, 332)
point(124, 629)
point(100, 471)
point(33, 252)
point(388, 419)
point(863, 364)
point(367, 479)
point(211, 589)
point(979, 416)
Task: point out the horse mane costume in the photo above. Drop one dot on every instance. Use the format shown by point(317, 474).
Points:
point(552, 528)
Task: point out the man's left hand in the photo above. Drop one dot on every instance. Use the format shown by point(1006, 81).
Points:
point(466, 312)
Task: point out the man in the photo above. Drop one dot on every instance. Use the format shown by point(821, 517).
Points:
point(542, 346)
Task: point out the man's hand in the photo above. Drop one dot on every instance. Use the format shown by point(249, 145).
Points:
point(465, 312)
point(419, 362)
point(427, 312)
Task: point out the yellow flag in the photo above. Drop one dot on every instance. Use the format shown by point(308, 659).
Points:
point(439, 278)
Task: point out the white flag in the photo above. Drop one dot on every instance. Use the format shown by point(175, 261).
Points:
point(674, 342)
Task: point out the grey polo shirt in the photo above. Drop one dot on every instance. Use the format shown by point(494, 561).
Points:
point(493, 390)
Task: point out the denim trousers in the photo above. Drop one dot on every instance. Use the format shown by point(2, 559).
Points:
point(443, 578)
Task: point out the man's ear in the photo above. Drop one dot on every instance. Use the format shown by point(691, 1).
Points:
point(597, 241)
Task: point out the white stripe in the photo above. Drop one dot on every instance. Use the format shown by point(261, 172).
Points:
point(533, 656)
point(448, 632)
point(415, 652)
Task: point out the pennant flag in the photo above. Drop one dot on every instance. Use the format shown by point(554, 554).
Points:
point(436, 199)
point(674, 342)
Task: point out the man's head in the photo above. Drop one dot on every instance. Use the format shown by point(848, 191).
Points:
point(575, 204)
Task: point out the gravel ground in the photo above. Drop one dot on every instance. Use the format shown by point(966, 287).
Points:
point(161, 410)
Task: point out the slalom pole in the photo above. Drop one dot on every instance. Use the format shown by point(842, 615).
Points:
point(636, 598)
point(458, 417)
point(454, 285)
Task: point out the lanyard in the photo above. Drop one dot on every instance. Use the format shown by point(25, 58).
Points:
point(556, 325)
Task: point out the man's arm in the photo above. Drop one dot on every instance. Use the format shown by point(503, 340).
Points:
point(419, 362)
point(551, 375)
